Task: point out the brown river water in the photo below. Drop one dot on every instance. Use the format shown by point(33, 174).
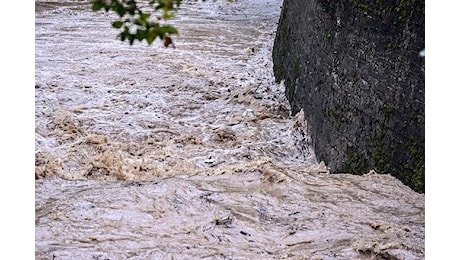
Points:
point(146, 152)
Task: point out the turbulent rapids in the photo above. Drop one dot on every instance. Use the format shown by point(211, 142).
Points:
point(191, 153)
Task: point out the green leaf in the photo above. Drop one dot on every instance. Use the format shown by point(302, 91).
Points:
point(131, 16)
point(145, 16)
point(122, 36)
point(151, 35)
point(169, 29)
point(119, 9)
point(139, 22)
point(97, 5)
point(117, 24)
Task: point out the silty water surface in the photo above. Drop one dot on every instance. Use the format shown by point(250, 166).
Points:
point(190, 153)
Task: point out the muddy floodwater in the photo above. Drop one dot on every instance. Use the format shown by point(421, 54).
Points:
point(146, 152)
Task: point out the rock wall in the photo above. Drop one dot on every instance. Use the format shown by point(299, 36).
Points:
point(355, 68)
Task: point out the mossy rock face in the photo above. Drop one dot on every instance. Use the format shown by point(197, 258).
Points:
point(353, 66)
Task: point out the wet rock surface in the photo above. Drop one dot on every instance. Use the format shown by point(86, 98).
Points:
point(151, 153)
point(354, 68)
